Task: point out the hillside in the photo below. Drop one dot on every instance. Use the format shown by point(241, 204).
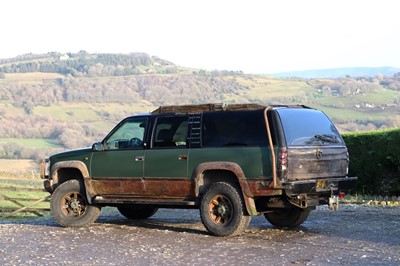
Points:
point(41, 112)
point(339, 72)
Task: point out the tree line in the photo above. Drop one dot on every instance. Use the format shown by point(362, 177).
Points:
point(79, 64)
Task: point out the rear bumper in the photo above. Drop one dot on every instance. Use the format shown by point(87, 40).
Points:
point(325, 186)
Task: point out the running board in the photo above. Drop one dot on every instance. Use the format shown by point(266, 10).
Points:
point(145, 201)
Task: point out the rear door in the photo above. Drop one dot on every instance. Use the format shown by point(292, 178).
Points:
point(165, 165)
point(315, 148)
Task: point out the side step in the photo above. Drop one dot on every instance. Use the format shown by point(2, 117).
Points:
point(145, 201)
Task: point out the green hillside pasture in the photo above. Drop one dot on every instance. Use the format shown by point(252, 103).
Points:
point(379, 98)
point(32, 143)
point(351, 115)
point(79, 112)
point(265, 87)
point(343, 108)
point(31, 78)
point(68, 112)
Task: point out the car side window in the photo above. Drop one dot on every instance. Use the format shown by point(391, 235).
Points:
point(129, 135)
point(224, 129)
point(170, 132)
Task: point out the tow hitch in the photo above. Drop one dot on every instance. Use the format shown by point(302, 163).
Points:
point(333, 203)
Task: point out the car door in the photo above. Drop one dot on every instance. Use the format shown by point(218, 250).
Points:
point(118, 167)
point(165, 165)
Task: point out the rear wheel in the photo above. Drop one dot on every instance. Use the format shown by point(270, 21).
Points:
point(291, 217)
point(222, 211)
point(137, 212)
point(70, 207)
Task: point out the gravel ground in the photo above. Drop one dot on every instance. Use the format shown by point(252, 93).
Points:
point(353, 235)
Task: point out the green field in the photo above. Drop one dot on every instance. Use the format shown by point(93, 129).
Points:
point(261, 88)
point(17, 193)
point(32, 143)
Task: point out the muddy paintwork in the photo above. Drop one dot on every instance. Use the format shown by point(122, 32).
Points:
point(180, 175)
point(317, 162)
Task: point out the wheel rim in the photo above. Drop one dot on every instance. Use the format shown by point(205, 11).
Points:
point(220, 209)
point(73, 204)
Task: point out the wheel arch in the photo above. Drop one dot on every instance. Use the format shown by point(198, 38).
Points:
point(67, 170)
point(210, 172)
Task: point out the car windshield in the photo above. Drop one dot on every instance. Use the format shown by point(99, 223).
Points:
point(308, 127)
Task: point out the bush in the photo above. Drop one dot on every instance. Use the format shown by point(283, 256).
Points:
point(375, 160)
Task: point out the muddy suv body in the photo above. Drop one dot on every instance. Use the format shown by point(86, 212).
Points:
point(230, 161)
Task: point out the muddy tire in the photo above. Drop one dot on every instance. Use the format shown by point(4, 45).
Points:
point(222, 210)
point(291, 217)
point(137, 212)
point(69, 206)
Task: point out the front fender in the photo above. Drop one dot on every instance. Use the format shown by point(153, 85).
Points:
point(54, 181)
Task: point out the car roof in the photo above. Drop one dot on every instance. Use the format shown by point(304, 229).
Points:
point(215, 107)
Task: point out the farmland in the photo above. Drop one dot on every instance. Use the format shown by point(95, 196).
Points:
point(47, 104)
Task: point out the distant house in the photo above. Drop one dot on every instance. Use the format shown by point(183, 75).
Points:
point(64, 57)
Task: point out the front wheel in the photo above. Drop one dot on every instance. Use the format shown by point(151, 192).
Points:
point(69, 206)
point(291, 217)
point(222, 211)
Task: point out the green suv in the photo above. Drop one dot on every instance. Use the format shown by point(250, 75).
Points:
point(230, 161)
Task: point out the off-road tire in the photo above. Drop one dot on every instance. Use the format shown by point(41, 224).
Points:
point(222, 210)
point(137, 212)
point(291, 217)
point(70, 207)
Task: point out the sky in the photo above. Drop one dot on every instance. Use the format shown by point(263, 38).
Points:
point(264, 36)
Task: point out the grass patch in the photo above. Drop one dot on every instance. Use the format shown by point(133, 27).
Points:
point(265, 87)
point(19, 169)
point(32, 143)
point(32, 76)
point(94, 112)
point(15, 194)
point(68, 112)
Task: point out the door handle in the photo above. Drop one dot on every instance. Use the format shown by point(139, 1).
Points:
point(182, 157)
point(139, 158)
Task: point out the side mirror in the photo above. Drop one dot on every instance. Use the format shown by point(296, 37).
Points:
point(97, 146)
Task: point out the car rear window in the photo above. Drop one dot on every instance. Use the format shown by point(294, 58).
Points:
point(308, 127)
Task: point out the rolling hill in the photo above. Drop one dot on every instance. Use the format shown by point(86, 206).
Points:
point(55, 101)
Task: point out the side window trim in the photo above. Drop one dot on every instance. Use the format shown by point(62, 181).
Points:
point(121, 124)
point(169, 143)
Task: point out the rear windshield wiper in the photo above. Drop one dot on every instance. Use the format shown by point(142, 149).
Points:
point(327, 138)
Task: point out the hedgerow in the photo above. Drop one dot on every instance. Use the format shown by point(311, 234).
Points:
point(375, 160)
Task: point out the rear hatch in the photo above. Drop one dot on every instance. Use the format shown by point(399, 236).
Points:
point(315, 148)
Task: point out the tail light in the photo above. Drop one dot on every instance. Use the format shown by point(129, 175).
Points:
point(342, 195)
point(282, 159)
